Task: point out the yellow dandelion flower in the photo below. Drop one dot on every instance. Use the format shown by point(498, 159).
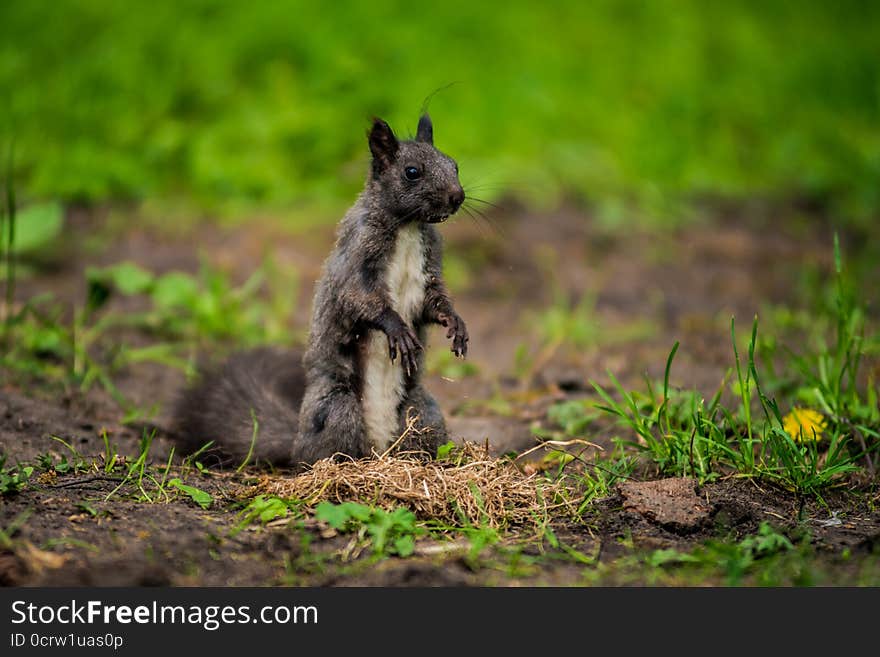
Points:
point(804, 424)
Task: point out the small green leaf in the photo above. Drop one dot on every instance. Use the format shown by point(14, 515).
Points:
point(357, 511)
point(37, 225)
point(12, 481)
point(403, 518)
point(127, 277)
point(274, 508)
point(45, 340)
point(405, 545)
point(334, 515)
point(444, 450)
point(175, 290)
point(379, 529)
point(198, 496)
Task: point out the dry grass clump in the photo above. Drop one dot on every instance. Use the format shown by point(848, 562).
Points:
point(467, 487)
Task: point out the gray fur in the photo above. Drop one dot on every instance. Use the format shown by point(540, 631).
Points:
point(350, 301)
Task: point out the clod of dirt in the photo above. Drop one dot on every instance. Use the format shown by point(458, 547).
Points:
point(671, 503)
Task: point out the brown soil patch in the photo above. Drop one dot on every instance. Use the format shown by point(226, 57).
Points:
point(672, 503)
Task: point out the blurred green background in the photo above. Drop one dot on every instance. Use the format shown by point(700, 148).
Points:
point(226, 106)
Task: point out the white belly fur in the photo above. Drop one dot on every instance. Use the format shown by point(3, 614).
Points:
point(383, 380)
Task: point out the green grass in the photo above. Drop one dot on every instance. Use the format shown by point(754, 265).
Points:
point(624, 104)
point(685, 436)
point(138, 478)
point(743, 429)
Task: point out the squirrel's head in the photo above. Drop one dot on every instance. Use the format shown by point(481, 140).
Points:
point(414, 179)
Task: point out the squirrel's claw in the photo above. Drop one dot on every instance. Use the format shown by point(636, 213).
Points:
point(457, 331)
point(407, 344)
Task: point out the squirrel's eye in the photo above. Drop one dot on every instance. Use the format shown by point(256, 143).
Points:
point(412, 173)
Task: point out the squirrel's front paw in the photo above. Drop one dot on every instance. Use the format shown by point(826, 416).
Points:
point(457, 331)
point(402, 339)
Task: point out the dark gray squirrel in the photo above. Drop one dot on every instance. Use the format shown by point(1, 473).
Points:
point(358, 381)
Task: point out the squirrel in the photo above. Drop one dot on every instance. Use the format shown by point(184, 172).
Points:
point(357, 385)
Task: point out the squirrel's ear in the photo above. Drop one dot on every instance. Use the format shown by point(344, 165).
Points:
point(383, 144)
point(425, 131)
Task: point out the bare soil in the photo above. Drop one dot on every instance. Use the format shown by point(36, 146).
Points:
point(650, 288)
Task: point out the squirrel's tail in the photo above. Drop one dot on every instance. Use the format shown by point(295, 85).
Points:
point(247, 405)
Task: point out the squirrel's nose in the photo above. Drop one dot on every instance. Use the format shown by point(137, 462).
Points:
point(456, 198)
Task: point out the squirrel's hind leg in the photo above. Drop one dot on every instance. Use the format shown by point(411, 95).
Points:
point(429, 428)
point(331, 421)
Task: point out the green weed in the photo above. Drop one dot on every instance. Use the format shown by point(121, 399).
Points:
point(592, 479)
point(13, 479)
point(191, 461)
point(387, 532)
point(264, 509)
point(445, 450)
point(745, 382)
point(110, 456)
point(574, 416)
point(63, 465)
point(250, 452)
point(138, 471)
point(197, 495)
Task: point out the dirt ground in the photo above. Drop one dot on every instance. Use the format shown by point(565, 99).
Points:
point(650, 288)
